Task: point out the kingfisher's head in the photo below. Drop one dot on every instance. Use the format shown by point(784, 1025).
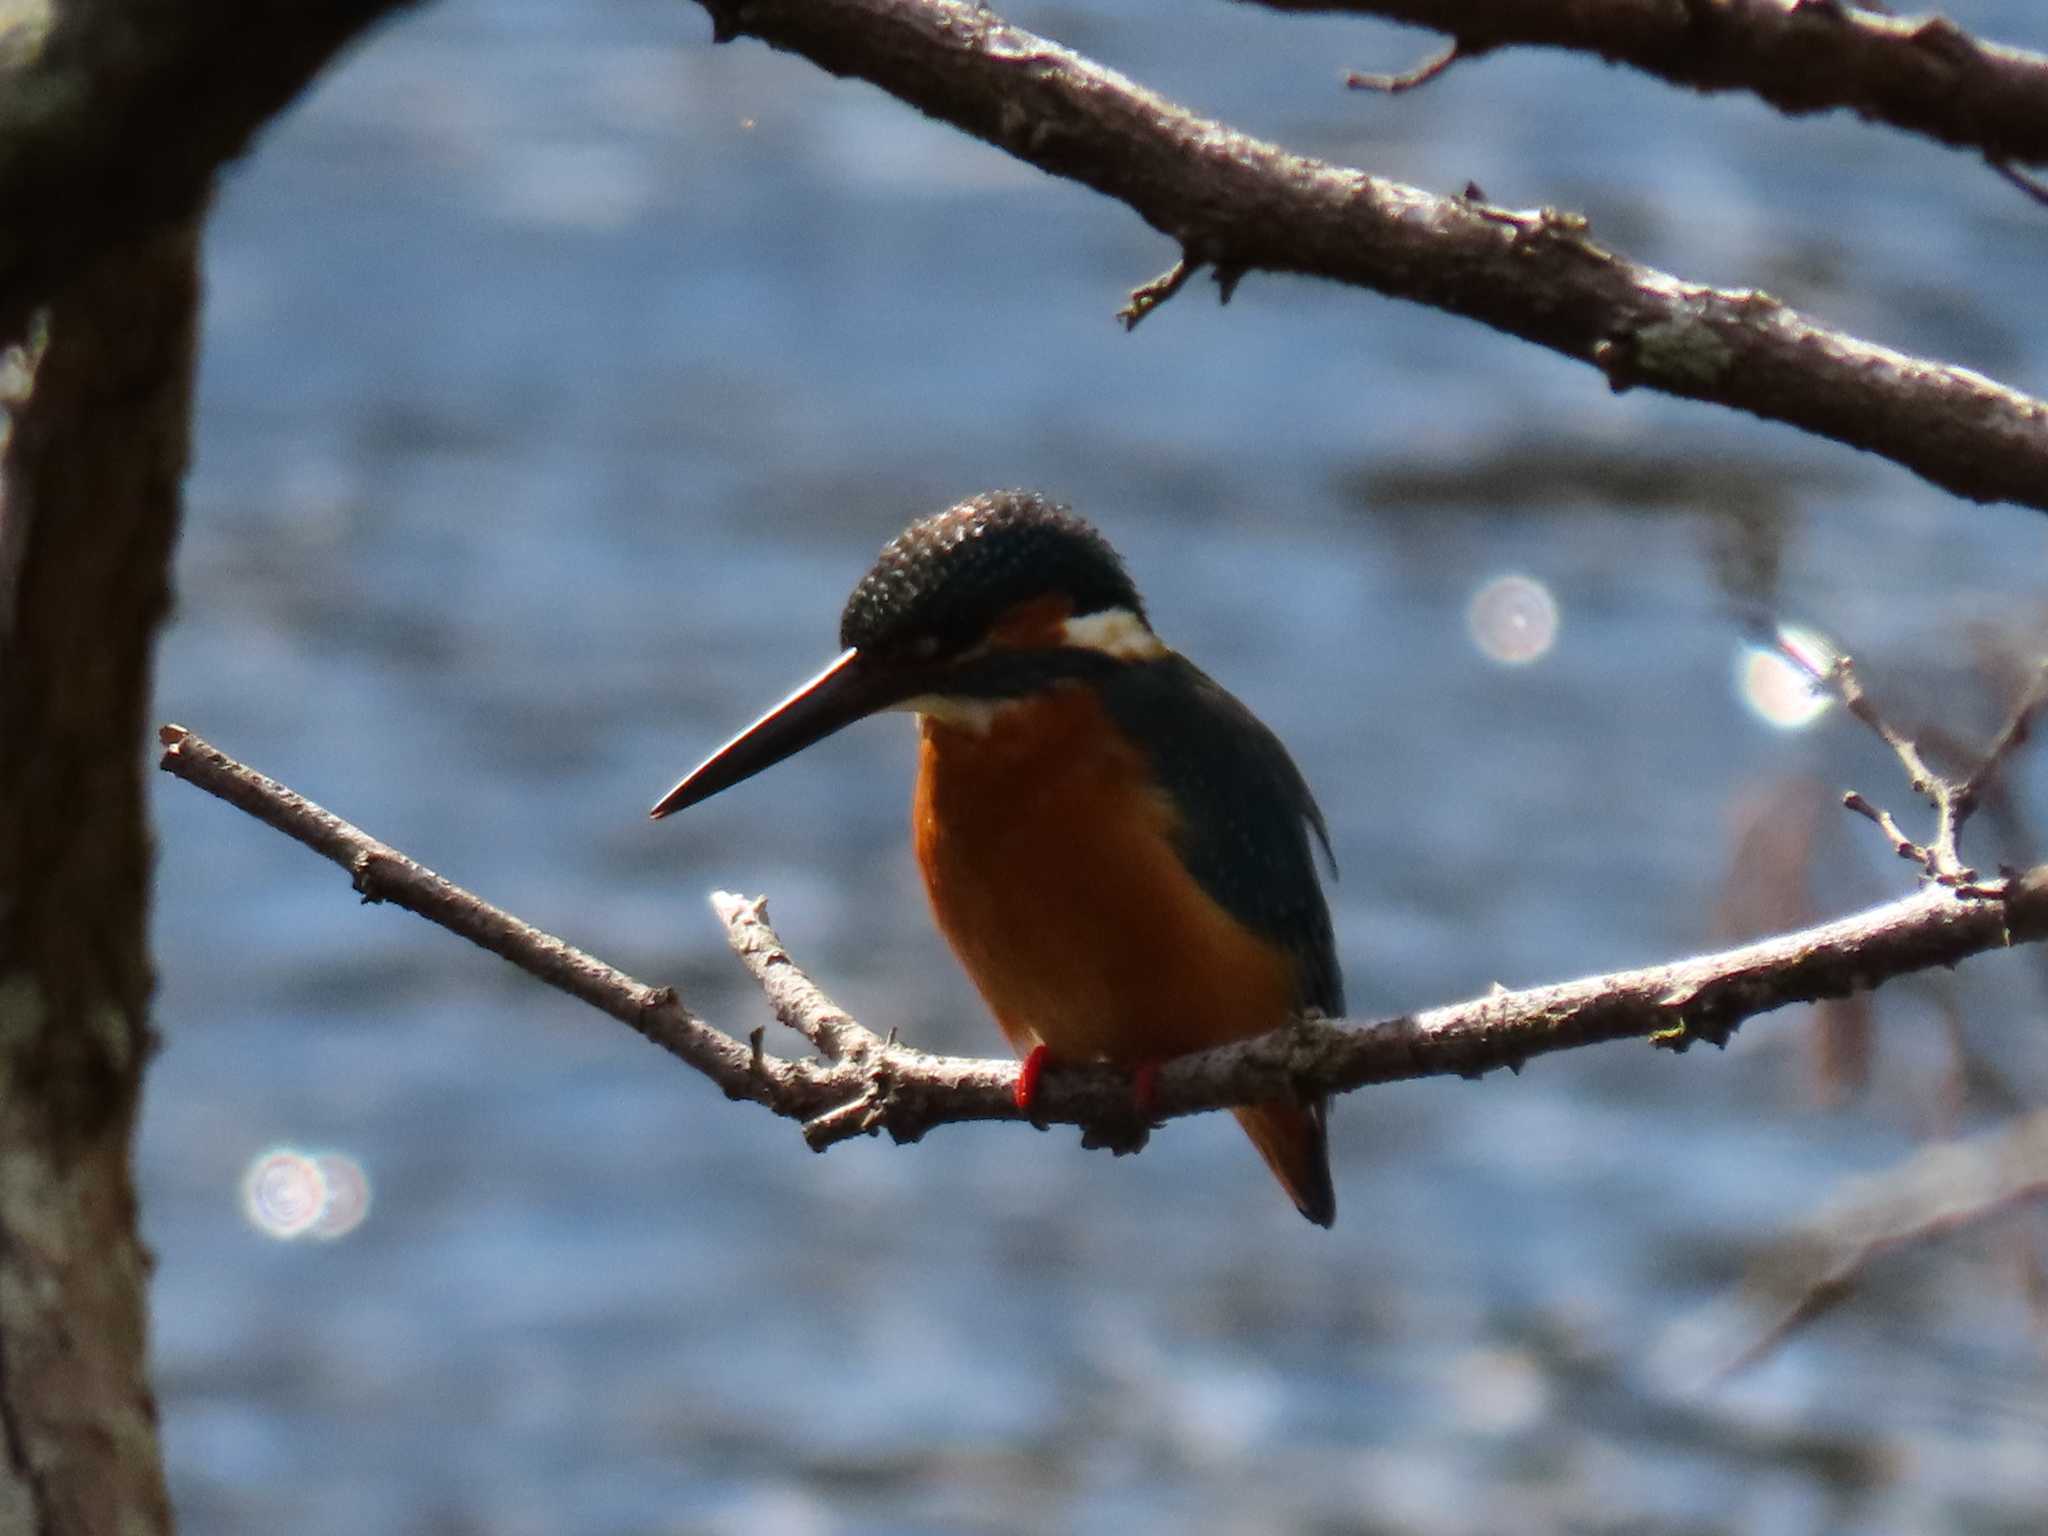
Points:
point(996, 598)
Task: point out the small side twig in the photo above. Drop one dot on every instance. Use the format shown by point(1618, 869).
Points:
point(1953, 800)
point(856, 1117)
point(1408, 80)
point(2013, 735)
point(797, 1000)
point(1842, 675)
point(2028, 183)
point(1147, 297)
point(1902, 845)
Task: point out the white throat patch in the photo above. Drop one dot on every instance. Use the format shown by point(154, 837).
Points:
point(975, 716)
point(1116, 632)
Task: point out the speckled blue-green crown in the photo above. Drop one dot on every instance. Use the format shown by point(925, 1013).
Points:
point(941, 583)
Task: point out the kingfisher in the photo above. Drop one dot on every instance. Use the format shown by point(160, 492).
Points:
point(1117, 850)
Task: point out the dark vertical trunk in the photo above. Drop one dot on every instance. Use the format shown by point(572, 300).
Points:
point(90, 477)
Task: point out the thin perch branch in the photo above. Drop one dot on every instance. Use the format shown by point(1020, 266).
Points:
point(875, 1084)
point(382, 873)
point(1237, 204)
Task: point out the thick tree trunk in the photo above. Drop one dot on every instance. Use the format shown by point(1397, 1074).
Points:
point(100, 401)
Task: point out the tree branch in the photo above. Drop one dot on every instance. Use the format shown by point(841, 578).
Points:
point(1236, 204)
point(84, 84)
point(1941, 1190)
point(868, 1083)
point(114, 116)
point(1923, 74)
point(1953, 800)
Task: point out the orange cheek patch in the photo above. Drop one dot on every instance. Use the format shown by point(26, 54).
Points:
point(1033, 626)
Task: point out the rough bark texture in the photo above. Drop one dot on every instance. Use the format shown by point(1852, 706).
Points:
point(1920, 73)
point(89, 503)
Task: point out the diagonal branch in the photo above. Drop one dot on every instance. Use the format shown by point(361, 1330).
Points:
point(1939, 1191)
point(1237, 204)
point(874, 1084)
point(2032, 186)
point(1922, 74)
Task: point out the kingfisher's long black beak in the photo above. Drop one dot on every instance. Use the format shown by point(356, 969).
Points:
point(850, 689)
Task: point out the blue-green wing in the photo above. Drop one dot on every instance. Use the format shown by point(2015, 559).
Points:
point(1247, 813)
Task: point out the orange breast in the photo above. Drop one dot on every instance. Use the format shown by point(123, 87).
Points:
point(1049, 861)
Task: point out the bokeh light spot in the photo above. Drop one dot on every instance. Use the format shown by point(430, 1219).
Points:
point(287, 1193)
point(1779, 689)
point(347, 1190)
point(1513, 620)
point(281, 1193)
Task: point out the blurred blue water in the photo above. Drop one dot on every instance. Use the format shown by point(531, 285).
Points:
point(562, 372)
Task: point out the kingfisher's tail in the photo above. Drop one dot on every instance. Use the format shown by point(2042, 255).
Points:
point(1294, 1139)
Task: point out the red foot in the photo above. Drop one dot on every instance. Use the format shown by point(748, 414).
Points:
point(1027, 1079)
point(1145, 1089)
